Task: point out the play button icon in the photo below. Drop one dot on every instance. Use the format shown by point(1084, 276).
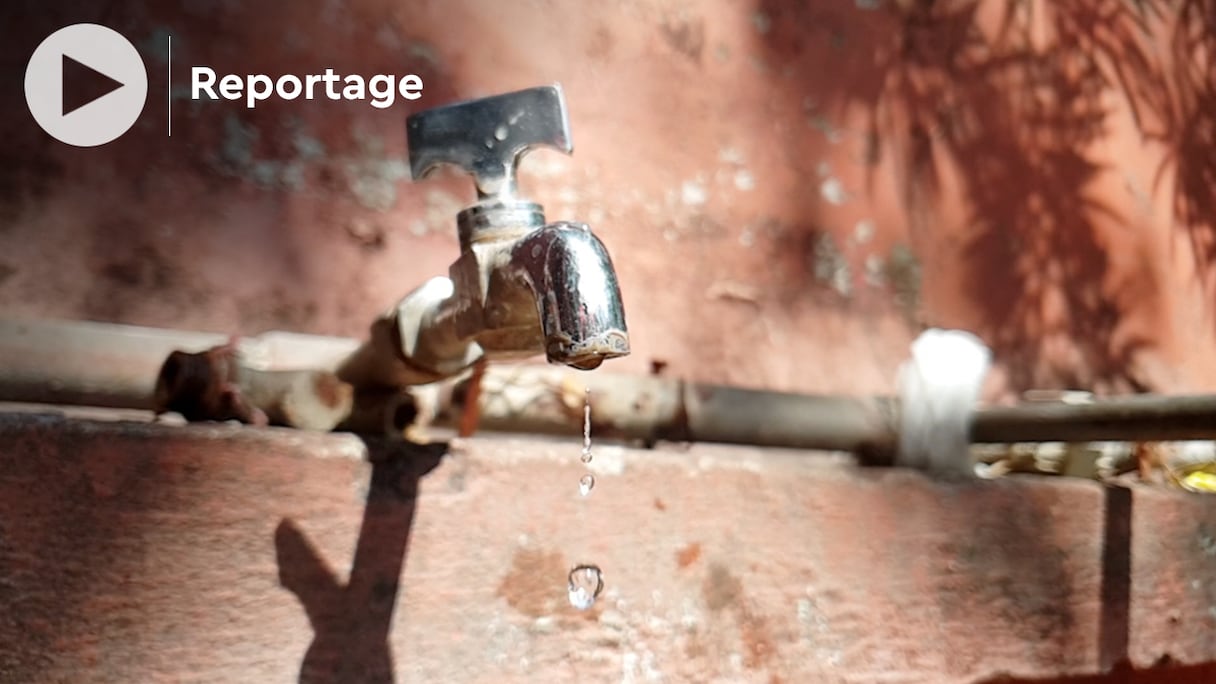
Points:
point(86, 85)
point(83, 84)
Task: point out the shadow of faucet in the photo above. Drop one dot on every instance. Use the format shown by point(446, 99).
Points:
point(352, 622)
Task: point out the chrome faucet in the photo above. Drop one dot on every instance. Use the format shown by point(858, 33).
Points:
point(521, 286)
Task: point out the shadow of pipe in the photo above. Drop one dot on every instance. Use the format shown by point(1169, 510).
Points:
point(352, 622)
point(1114, 630)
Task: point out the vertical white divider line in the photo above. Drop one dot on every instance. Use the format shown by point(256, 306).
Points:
point(169, 85)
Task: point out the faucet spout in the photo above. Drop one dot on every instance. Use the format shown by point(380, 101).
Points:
point(570, 274)
point(520, 285)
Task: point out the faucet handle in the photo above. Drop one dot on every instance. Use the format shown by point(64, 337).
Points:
point(487, 137)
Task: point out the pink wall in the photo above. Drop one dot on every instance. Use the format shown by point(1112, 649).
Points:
point(788, 189)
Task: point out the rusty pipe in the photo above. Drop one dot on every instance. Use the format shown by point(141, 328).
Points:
point(216, 384)
point(97, 364)
point(549, 400)
point(92, 364)
point(115, 366)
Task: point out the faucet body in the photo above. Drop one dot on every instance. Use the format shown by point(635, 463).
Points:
point(521, 286)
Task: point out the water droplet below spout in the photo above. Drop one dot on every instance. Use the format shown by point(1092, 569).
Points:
point(585, 584)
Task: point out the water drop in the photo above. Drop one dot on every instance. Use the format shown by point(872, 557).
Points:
point(500, 132)
point(585, 484)
point(586, 457)
point(585, 584)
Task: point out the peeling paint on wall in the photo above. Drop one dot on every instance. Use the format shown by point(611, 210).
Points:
point(833, 192)
point(236, 150)
point(903, 273)
point(831, 267)
point(693, 193)
point(237, 157)
point(374, 182)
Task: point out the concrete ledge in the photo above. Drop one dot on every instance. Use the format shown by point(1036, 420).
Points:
point(133, 552)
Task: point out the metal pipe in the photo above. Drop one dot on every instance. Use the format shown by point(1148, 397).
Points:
point(92, 364)
point(309, 400)
point(216, 384)
point(1144, 417)
point(549, 400)
point(116, 366)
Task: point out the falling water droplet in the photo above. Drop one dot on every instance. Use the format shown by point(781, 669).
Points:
point(585, 584)
point(586, 484)
point(501, 132)
point(586, 457)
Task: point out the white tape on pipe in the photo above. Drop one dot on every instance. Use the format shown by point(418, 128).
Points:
point(938, 390)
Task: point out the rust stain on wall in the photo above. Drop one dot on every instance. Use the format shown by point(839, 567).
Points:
point(688, 555)
point(529, 586)
point(721, 589)
point(723, 592)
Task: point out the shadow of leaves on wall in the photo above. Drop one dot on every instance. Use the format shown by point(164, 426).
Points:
point(1174, 105)
point(1006, 111)
point(1017, 109)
